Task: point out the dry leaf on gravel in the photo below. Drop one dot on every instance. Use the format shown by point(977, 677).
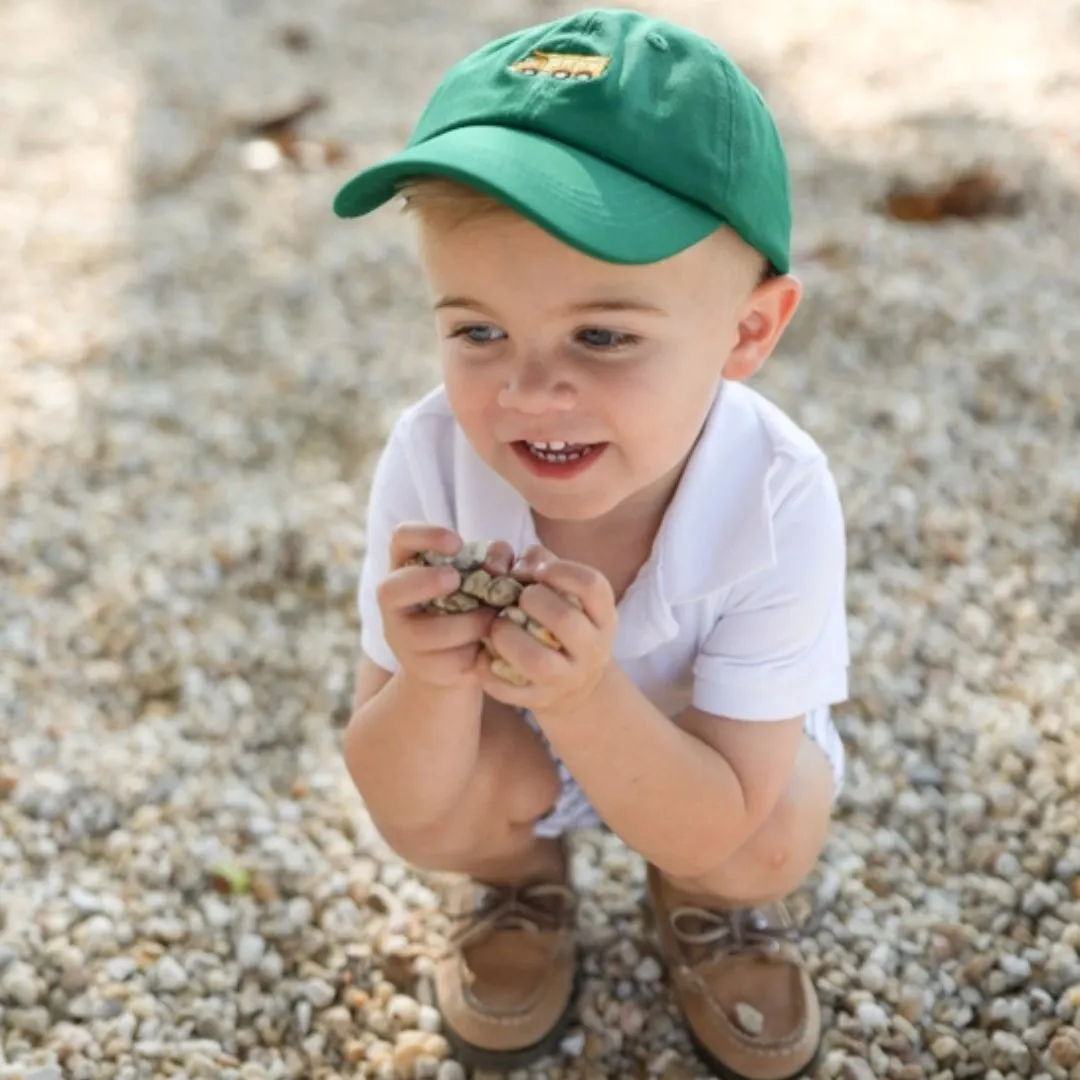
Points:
point(277, 138)
point(976, 193)
point(296, 39)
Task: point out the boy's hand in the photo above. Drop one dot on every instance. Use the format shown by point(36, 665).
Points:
point(437, 649)
point(576, 603)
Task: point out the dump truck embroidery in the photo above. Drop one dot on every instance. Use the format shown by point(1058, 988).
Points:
point(562, 65)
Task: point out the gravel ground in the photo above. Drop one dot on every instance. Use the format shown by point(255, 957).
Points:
point(198, 366)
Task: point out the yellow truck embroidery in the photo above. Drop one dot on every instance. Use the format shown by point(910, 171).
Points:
point(562, 65)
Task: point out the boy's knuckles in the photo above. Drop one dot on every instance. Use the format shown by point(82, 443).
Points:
point(520, 622)
point(551, 611)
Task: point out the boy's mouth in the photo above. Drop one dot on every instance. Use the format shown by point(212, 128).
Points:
point(559, 452)
point(557, 460)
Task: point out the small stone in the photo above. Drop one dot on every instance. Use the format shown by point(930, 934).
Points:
point(1039, 899)
point(912, 1004)
point(573, 1045)
point(660, 1064)
point(429, 1019)
point(1007, 866)
point(30, 1072)
point(632, 1019)
point(749, 1019)
point(271, 967)
point(34, 1021)
point(450, 1070)
point(1014, 1012)
point(857, 1068)
point(873, 978)
point(302, 1018)
point(1013, 1049)
point(250, 950)
point(1065, 1048)
point(648, 970)
point(408, 1049)
point(354, 1051)
point(404, 1011)
point(1016, 968)
point(945, 1049)
point(96, 936)
point(20, 985)
point(319, 992)
point(168, 976)
point(85, 903)
point(120, 968)
point(872, 1016)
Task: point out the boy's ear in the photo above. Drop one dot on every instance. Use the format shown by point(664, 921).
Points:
point(766, 314)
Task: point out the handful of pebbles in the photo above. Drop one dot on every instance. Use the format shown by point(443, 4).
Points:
point(479, 588)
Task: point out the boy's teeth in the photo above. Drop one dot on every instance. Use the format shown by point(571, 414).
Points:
point(558, 451)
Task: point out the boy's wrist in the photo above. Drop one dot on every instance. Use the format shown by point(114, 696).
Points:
point(581, 705)
point(438, 696)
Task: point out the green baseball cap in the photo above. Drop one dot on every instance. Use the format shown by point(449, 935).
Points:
point(628, 137)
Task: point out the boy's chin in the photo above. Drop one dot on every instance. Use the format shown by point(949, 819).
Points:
point(570, 507)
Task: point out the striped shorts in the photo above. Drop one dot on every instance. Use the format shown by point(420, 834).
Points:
point(573, 810)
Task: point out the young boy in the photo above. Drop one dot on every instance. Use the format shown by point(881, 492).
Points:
point(604, 220)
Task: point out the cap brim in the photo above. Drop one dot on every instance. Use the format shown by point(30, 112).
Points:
point(588, 203)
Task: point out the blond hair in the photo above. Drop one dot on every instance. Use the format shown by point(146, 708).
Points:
point(451, 201)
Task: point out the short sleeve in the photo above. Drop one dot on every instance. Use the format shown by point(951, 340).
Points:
point(394, 498)
point(780, 647)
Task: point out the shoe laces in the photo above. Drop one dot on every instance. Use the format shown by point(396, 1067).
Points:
point(734, 932)
point(535, 908)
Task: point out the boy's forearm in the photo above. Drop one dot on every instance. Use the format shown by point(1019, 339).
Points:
point(411, 750)
point(668, 795)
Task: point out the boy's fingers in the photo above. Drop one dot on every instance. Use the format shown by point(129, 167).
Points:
point(581, 586)
point(531, 559)
point(559, 615)
point(410, 538)
point(522, 651)
point(432, 632)
point(413, 585)
point(500, 558)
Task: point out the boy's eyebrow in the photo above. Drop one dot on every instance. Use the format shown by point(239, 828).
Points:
point(460, 302)
point(612, 304)
point(615, 304)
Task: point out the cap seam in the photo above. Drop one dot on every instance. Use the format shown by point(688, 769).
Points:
point(730, 133)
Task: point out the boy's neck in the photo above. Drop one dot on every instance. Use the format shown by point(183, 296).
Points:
point(619, 543)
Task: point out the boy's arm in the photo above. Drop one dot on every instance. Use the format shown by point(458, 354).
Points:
point(410, 748)
point(687, 794)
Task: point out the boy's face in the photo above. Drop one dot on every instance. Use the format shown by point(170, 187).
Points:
point(582, 383)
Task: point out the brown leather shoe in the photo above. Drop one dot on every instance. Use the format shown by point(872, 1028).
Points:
point(740, 981)
point(507, 984)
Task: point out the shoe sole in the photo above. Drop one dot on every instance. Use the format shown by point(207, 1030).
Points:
point(479, 1057)
point(722, 1072)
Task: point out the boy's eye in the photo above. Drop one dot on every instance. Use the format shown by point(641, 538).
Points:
point(597, 338)
point(479, 333)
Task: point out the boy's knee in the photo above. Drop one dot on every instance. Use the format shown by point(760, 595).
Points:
point(436, 848)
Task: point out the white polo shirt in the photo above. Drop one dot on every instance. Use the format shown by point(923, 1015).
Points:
point(740, 608)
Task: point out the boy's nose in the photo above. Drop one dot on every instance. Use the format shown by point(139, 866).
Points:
point(534, 386)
